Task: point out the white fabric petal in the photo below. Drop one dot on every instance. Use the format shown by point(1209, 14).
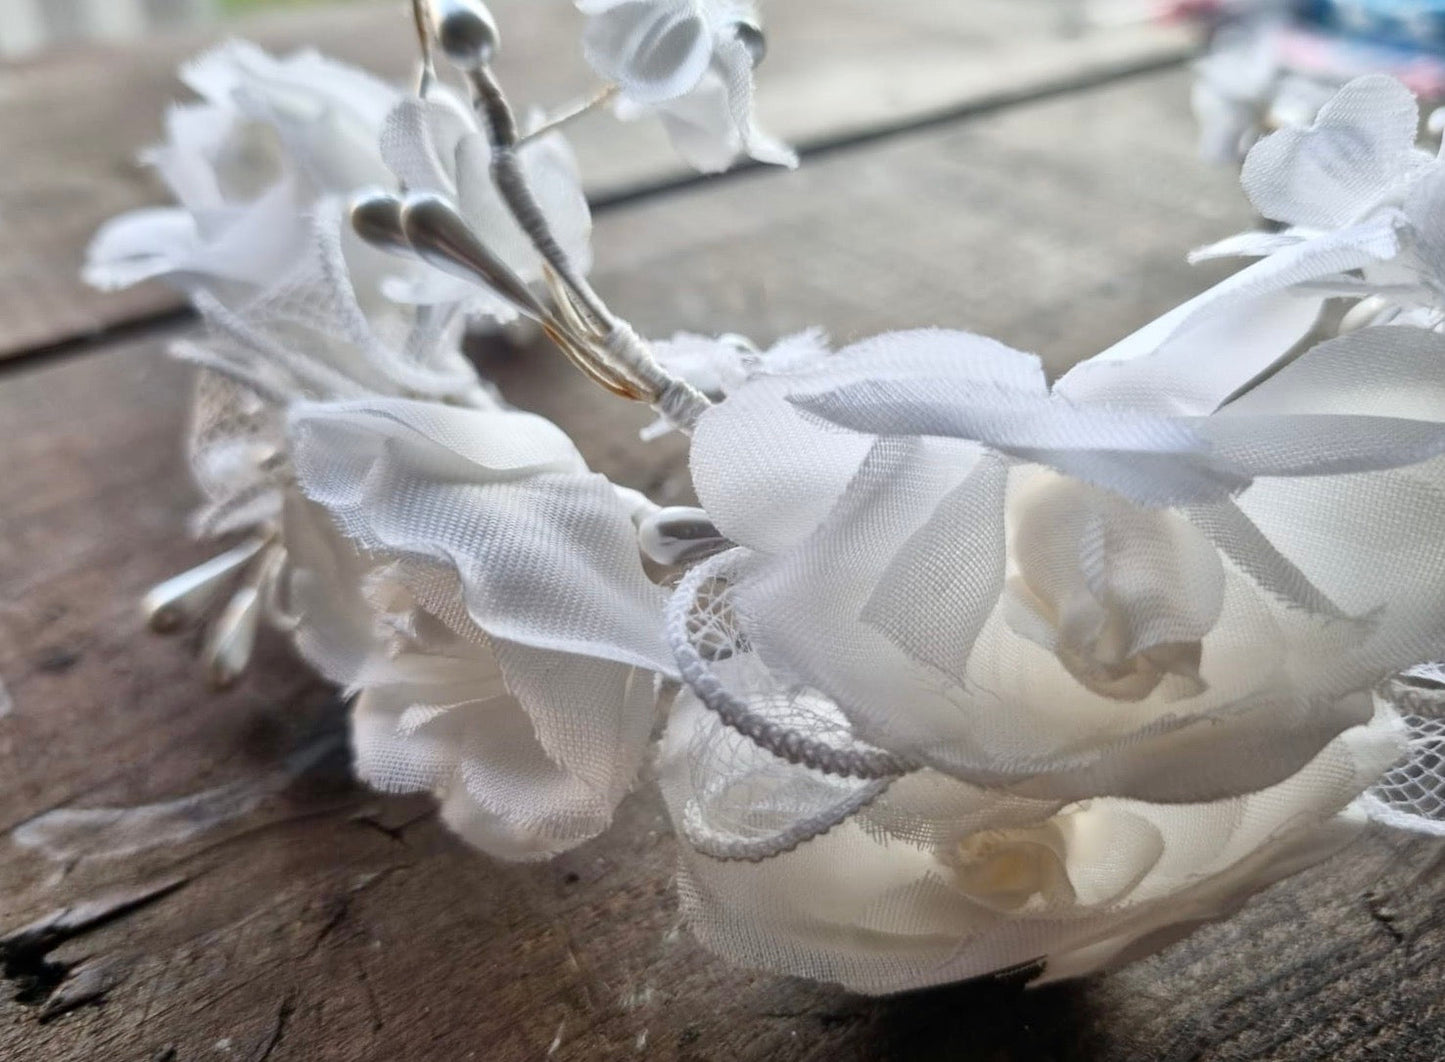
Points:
point(682, 61)
point(141, 245)
point(1425, 208)
point(1384, 371)
point(1194, 358)
point(546, 551)
point(419, 139)
point(767, 473)
point(1359, 150)
point(333, 625)
point(655, 49)
point(485, 753)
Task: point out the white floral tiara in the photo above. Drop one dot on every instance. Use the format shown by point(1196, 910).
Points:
point(957, 670)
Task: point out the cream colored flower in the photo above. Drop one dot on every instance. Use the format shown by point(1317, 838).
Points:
point(1000, 672)
point(1082, 597)
point(937, 881)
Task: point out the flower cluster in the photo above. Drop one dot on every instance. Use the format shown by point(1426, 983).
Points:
point(956, 669)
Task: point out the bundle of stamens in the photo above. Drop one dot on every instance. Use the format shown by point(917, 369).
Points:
point(602, 346)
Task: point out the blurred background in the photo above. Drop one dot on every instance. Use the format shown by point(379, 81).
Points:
point(29, 26)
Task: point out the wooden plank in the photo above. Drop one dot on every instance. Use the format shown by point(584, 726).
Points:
point(325, 923)
point(73, 122)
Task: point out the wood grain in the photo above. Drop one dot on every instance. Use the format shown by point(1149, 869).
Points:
point(73, 122)
point(327, 923)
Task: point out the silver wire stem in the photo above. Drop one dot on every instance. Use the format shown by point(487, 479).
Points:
point(422, 17)
point(507, 174)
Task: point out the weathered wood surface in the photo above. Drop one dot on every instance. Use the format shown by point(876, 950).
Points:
point(72, 123)
point(326, 923)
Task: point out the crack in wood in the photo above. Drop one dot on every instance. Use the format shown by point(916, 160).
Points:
point(283, 1015)
point(1375, 904)
point(58, 987)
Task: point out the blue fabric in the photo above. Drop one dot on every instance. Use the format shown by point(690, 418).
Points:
point(1416, 25)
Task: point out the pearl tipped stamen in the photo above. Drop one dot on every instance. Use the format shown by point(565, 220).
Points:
point(466, 31)
point(440, 236)
point(168, 605)
point(376, 218)
point(752, 37)
point(230, 642)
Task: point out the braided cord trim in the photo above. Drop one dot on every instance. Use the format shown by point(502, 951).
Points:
point(735, 712)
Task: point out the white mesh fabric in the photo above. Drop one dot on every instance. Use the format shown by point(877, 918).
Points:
point(1411, 795)
point(310, 333)
point(779, 764)
point(235, 444)
point(718, 663)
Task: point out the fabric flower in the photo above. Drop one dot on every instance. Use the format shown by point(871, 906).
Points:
point(1363, 207)
point(1000, 673)
point(275, 139)
point(690, 62)
point(937, 881)
point(1083, 596)
point(1360, 204)
point(306, 336)
point(509, 664)
point(246, 164)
